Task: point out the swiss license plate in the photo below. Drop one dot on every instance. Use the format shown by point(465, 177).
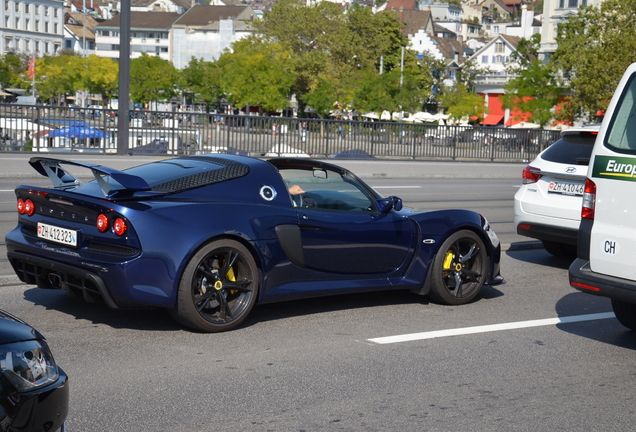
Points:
point(57, 234)
point(566, 188)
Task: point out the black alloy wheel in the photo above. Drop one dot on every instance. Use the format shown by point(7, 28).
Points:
point(218, 288)
point(460, 269)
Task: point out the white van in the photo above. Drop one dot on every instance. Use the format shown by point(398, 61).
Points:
point(26, 100)
point(606, 263)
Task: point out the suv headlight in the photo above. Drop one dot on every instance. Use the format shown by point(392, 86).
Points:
point(28, 365)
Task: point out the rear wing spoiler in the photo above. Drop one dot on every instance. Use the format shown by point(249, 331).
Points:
point(62, 179)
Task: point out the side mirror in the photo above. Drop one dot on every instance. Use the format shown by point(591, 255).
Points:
point(387, 204)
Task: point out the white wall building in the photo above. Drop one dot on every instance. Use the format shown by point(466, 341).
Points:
point(556, 12)
point(32, 27)
point(149, 31)
point(204, 32)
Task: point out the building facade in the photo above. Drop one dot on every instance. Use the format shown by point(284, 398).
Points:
point(31, 27)
point(556, 12)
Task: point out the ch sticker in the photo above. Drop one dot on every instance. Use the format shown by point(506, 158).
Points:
point(610, 247)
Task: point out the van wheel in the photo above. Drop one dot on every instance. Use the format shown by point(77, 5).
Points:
point(625, 313)
point(559, 249)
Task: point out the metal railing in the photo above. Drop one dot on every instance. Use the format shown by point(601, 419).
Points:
point(71, 129)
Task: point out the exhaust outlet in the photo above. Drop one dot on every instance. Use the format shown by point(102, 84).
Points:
point(55, 280)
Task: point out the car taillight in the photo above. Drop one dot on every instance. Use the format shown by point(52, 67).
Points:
point(29, 207)
point(120, 227)
point(21, 206)
point(102, 223)
point(530, 174)
point(589, 200)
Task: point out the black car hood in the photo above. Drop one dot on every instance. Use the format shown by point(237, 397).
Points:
point(13, 329)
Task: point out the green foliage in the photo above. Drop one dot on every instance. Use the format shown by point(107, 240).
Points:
point(594, 49)
point(203, 78)
point(461, 103)
point(153, 79)
point(64, 74)
point(10, 69)
point(330, 46)
point(100, 75)
point(257, 74)
point(535, 90)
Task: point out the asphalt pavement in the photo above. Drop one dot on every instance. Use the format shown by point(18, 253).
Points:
point(15, 166)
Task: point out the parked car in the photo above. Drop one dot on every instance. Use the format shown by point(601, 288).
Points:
point(209, 236)
point(34, 390)
point(548, 204)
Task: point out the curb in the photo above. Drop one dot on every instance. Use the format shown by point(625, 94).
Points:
point(7, 280)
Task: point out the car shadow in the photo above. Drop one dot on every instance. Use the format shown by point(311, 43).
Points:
point(542, 257)
point(153, 319)
point(370, 300)
point(608, 330)
point(98, 313)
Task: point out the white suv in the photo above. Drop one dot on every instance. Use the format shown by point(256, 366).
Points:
point(548, 204)
point(607, 234)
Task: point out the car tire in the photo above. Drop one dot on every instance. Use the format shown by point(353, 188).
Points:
point(459, 269)
point(625, 313)
point(559, 249)
point(218, 287)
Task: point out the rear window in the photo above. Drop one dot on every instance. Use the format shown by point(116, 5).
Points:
point(571, 149)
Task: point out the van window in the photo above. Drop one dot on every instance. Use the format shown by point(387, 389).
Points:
point(621, 136)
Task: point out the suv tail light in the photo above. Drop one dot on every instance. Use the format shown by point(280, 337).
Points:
point(589, 200)
point(530, 175)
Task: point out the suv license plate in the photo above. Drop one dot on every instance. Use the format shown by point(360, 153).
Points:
point(57, 234)
point(566, 188)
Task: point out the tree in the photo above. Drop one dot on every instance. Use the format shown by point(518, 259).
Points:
point(257, 74)
point(10, 69)
point(203, 78)
point(535, 89)
point(327, 44)
point(63, 74)
point(594, 49)
point(100, 75)
point(461, 103)
point(153, 79)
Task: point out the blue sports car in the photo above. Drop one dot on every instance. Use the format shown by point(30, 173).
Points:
point(209, 236)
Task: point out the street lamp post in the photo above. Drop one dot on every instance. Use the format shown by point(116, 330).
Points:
point(34, 82)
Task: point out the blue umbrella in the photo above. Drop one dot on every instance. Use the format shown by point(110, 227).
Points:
point(78, 132)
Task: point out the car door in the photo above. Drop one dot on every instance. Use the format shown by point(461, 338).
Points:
point(353, 242)
point(341, 229)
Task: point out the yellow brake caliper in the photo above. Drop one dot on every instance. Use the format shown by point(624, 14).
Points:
point(448, 260)
point(231, 277)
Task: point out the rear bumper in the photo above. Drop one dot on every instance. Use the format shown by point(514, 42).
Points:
point(46, 273)
point(548, 233)
point(584, 279)
point(146, 280)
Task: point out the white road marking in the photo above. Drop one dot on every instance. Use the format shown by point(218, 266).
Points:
point(490, 328)
point(397, 187)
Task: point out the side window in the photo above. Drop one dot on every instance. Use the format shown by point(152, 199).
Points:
point(326, 190)
point(622, 133)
